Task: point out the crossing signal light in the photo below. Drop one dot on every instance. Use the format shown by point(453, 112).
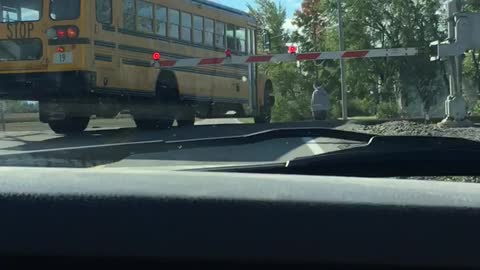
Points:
point(292, 49)
point(156, 56)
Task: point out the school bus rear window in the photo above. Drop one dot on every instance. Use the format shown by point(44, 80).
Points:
point(20, 10)
point(61, 10)
point(20, 49)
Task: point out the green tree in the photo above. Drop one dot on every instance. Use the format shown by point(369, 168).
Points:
point(292, 102)
point(392, 24)
point(404, 24)
point(367, 24)
point(472, 59)
point(270, 17)
point(316, 34)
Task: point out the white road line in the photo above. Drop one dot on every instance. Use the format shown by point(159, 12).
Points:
point(92, 146)
point(312, 144)
point(218, 121)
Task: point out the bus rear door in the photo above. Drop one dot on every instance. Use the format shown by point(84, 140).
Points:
point(22, 38)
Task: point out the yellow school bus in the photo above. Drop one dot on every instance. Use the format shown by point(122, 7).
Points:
point(80, 58)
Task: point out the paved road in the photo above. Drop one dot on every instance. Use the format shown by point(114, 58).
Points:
point(102, 124)
point(119, 144)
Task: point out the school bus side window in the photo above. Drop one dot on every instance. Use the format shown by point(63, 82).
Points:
point(145, 16)
point(129, 14)
point(186, 26)
point(197, 30)
point(220, 35)
point(209, 32)
point(241, 39)
point(161, 21)
point(173, 23)
point(231, 38)
point(104, 11)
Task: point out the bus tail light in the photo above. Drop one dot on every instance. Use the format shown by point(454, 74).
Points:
point(72, 32)
point(60, 49)
point(61, 33)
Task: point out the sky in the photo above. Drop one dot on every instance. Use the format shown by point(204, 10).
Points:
point(291, 5)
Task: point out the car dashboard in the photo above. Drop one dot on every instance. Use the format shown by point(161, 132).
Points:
point(116, 217)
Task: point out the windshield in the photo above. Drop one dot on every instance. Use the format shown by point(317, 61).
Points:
point(20, 10)
point(122, 73)
point(64, 9)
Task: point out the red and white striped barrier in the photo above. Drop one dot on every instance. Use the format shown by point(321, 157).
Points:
point(281, 58)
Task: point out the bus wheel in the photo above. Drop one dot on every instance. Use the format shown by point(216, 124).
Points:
point(70, 125)
point(265, 115)
point(187, 117)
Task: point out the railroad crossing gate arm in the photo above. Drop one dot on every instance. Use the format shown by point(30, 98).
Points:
point(284, 58)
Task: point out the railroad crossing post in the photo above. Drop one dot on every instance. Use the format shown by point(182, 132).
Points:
point(455, 105)
point(342, 62)
point(3, 108)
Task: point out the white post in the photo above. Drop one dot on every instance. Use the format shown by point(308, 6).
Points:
point(342, 62)
point(2, 115)
point(455, 105)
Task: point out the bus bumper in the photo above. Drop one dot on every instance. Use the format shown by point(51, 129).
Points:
point(44, 86)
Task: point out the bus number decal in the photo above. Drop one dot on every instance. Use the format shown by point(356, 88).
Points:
point(19, 30)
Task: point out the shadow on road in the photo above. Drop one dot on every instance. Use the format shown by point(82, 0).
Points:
point(126, 135)
point(106, 146)
point(268, 151)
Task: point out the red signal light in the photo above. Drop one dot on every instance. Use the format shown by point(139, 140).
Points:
point(61, 33)
point(292, 49)
point(156, 56)
point(72, 32)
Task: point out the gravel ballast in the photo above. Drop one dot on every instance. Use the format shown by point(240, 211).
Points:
point(406, 128)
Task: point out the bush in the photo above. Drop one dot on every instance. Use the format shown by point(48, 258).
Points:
point(359, 107)
point(356, 107)
point(476, 109)
point(286, 110)
point(388, 111)
point(336, 111)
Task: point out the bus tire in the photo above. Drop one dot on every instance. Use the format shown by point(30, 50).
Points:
point(186, 123)
point(69, 125)
point(166, 96)
point(265, 115)
point(187, 117)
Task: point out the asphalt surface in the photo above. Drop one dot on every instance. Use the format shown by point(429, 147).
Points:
point(117, 143)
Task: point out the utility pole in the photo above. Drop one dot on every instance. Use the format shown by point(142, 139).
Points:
point(342, 62)
point(315, 42)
